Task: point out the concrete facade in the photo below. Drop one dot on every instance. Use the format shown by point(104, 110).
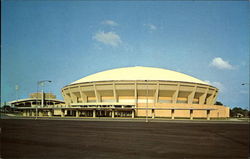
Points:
point(149, 97)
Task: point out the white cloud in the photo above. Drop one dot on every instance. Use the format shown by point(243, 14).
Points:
point(218, 85)
point(110, 23)
point(151, 26)
point(108, 38)
point(221, 64)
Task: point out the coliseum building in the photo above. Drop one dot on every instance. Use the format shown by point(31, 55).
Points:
point(136, 92)
point(143, 91)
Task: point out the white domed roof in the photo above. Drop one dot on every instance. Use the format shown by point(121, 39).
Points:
point(139, 73)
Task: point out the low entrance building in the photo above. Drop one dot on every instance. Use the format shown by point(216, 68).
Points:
point(39, 104)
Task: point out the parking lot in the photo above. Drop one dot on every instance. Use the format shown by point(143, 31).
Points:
point(122, 139)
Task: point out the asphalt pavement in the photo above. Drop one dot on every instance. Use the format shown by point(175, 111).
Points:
point(85, 138)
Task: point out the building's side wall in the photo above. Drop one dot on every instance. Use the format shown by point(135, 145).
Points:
point(217, 111)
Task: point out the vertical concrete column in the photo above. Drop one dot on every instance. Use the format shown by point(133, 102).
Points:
point(36, 112)
point(208, 114)
point(94, 113)
point(208, 100)
point(81, 95)
point(77, 113)
point(114, 93)
point(215, 97)
point(33, 113)
point(42, 99)
point(67, 98)
point(133, 113)
point(85, 98)
point(24, 114)
point(62, 113)
point(135, 94)
point(97, 95)
point(27, 112)
point(113, 113)
point(172, 113)
point(191, 115)
point(202, 98)
point(50, 113)
point(157, 93)
point(40, 113)
point(153, 113)
point(191, 95)
point(176, 93)
point(73, 96)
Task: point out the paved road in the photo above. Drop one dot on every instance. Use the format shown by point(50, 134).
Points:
point(223, 121)
point(109, 139)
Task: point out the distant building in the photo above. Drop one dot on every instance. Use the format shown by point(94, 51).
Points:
point(239, 115)
point(37, 99)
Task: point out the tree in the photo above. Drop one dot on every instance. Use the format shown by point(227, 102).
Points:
point(218, 103)
point(236, 111)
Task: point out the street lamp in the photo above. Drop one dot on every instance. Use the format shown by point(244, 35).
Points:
point(17, 88)
point(147, 103)
point(42, 83)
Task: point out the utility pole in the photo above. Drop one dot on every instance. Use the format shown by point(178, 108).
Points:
point(17, 88)
point(42, 83)
point(147, 104)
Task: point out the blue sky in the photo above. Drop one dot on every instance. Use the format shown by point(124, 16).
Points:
point(64, 41)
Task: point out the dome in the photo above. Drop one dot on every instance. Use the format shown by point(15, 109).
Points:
point(139, 73)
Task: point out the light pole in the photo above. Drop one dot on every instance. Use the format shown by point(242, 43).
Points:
point(17, 88)
point(147, 103)
point(42, 83)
